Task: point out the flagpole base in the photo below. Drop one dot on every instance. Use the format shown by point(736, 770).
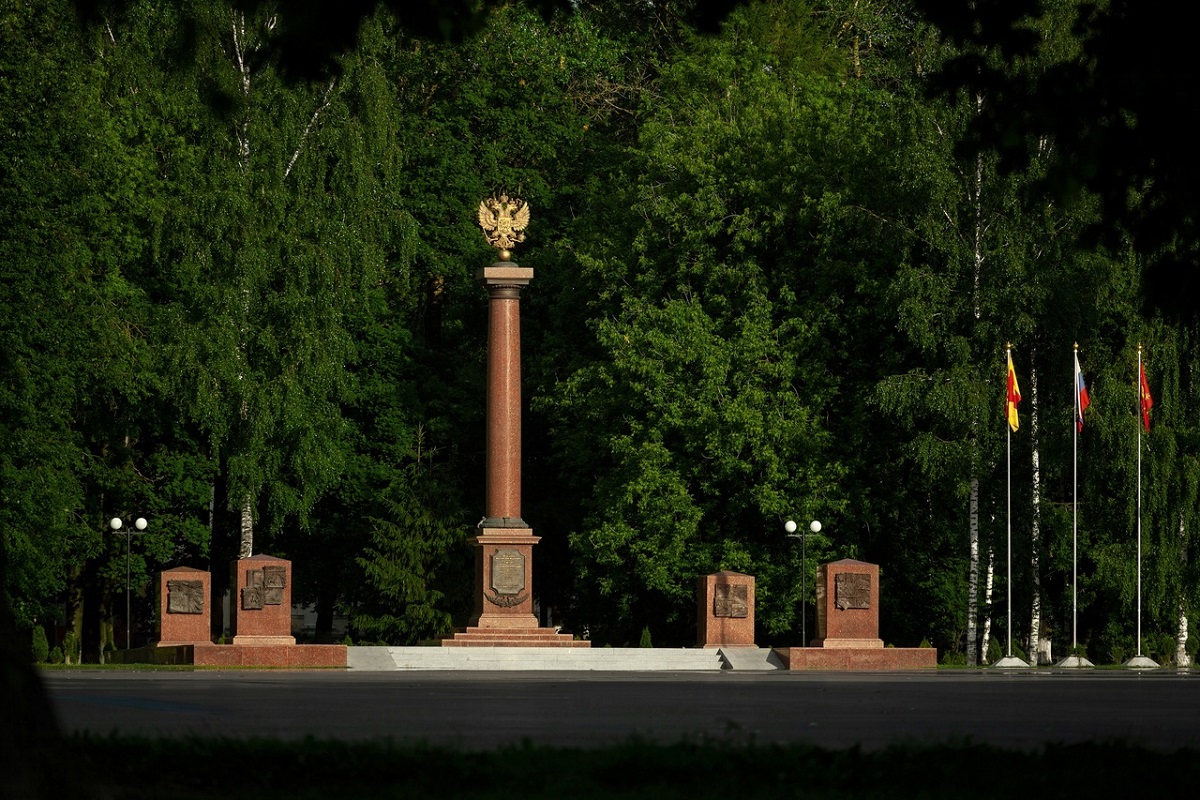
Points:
point(1141, 662)
point(1010, 662)
point(1073, 662)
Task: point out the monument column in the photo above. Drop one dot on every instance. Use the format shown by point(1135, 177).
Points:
point(504, 391)
point(503, 608)
point(504, 542)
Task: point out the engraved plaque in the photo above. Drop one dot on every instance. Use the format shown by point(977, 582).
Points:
point(508, 571)
point(185, 597)
point(252, 598)
point(852, 590)
point(274, 577)
point(272, 596)
point(731, 601)
point(254, 578)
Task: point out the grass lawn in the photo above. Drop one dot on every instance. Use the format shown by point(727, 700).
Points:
point(130, 767)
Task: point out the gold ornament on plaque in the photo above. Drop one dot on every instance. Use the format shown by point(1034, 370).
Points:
point(504, 221)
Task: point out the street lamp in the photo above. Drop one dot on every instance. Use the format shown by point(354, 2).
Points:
point(115, 523)
point(790, 528)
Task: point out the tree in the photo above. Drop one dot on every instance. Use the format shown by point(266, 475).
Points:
point(700, 426)
point(1113, 107)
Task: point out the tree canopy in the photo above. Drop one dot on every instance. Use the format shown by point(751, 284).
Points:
point(781, 249)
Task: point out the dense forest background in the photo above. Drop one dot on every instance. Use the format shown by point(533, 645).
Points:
point(779, 253)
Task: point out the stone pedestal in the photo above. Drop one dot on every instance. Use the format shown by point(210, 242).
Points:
point(262, 601)
point(848, 605)
point(503, 575)
point(725, 610)
point(184, 613)
point(848, 626)
point(261, 621)
point(503, 612)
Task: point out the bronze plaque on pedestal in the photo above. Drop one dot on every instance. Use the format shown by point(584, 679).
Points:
point(185, 597)
point(852, 590)
point(508, 571)
point(731, 601)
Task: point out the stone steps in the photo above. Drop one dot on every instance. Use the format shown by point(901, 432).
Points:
point(532, 658)
point(516, 637)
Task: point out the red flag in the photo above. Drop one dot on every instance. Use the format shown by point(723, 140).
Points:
point(1082, 401)
point(1147, 400)
point(1012, 396)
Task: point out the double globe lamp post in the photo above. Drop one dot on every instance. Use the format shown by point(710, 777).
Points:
point(790, 527)
point(115, 523)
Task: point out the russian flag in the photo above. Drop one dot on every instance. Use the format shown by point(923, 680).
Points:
point(1081, 394)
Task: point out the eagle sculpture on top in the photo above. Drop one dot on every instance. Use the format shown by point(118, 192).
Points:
point(504, 221)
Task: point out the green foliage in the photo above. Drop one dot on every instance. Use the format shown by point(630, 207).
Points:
point(40, 647)
point(645, 640)
point(775, 278)
point(1160, 647)
point(407, 559)
point(70, 647)
point(698, 417)
point(954, 658)
point(712, 768)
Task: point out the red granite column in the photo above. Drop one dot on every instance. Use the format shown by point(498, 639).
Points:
point(504, 404)
point(504, 554)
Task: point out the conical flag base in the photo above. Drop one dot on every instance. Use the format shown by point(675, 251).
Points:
point(1010, 662)
point(1073, 662)
point(1140, 662)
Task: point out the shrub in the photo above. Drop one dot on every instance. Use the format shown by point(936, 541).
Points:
point(645, 638)
point(1160, 647)
point(953, 658)
point(71, 648)
point(56, 655)
point(41, 648)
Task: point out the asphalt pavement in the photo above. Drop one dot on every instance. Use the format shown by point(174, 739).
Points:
point(485, 710)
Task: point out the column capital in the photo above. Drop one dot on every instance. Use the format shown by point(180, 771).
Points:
point(505, 273)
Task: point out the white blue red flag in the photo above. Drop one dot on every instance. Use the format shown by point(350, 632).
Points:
point(1081, 395)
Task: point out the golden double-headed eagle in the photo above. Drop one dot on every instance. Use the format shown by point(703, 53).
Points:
point(504, 221)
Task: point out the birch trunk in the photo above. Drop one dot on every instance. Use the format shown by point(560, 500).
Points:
point(976, 193)
point(989, 581)
point(1182, 659)
point(973, 575)
point(1035, 604)
point(246, 546)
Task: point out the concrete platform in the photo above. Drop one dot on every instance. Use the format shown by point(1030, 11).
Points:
point(608, 659)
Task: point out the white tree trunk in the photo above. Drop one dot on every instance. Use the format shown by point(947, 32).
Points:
point(1182, 659)
point(1181, 634)
point(973, 576)
point(989, 581)
point(976, 192)
point(246, 548)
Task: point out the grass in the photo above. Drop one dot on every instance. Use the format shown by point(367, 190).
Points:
point(186, 768)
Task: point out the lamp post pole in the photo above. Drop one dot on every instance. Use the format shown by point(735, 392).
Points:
point(115, 523)
point(790, 528)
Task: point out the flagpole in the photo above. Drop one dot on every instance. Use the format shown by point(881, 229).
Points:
point(1139, 511)
point(1012, 396)
point(1079, 388)
point(1144, 402)
point(1075, 514)
point(1008, 353)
